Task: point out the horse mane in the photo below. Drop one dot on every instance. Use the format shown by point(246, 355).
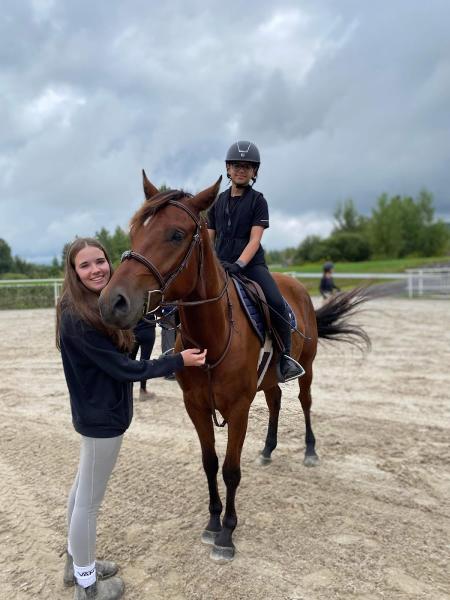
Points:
point(150, 207)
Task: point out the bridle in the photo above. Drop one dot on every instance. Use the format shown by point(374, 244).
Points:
point(165, 281)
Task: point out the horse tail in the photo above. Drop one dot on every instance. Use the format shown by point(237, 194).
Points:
point(333, 319)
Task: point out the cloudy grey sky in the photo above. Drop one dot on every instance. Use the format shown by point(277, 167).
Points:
point(344, 99)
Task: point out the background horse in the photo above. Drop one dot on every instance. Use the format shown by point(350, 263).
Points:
point(173, 260)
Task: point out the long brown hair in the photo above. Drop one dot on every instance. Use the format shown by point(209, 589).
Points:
point(76, 298)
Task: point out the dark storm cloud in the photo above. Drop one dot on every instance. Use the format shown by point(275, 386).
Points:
point(344, 99)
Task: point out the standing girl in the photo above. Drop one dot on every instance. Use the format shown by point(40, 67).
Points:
point(237, 222)
point(99, 375)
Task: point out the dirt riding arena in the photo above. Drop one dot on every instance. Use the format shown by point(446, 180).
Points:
point(371, 522)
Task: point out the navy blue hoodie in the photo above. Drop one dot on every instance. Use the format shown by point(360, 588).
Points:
point(99, 378)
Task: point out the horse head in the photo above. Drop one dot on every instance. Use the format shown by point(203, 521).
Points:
point(167, 237)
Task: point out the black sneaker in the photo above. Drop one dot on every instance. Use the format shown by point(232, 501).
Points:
point(288, 369)
point(111, 589)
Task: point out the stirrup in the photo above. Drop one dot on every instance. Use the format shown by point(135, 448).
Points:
point(294, 371)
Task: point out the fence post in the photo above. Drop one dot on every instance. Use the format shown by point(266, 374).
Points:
point(55, 291)
point(420, 282)
point(410, 285)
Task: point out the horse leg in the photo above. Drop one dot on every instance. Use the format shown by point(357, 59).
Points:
point(224, 550)
point(311, 459)
point(273, 399)
point(203, 424)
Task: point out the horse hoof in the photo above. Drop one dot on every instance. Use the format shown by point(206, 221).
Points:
point(263, 461)
point(222, 554)
point(209, 537)
point(311, 461)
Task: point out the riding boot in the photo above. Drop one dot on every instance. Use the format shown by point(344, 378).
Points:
point(111, 589)
point(104, 568)
point(287, 367)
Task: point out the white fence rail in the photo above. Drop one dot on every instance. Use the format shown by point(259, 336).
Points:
point(24, 283)
point(426, 281)
point(417, 281)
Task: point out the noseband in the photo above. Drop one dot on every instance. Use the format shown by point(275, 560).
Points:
point(164, 282)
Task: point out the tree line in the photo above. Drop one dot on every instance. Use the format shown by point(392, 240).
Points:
point(398, 227)
point(14, 267)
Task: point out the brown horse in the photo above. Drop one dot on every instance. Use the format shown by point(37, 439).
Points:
point(172, 259)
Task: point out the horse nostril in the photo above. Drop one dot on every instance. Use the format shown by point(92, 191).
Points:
point(121, 304)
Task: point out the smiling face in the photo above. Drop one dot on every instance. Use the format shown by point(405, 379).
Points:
point(92, 268)
point(241, 173)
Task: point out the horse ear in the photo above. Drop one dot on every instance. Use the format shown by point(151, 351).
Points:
point(204, 199)
point(149, 189)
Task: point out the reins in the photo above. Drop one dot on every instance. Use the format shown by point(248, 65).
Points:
point(209, 367)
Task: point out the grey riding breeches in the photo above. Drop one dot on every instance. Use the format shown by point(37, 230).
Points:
point(97, 459)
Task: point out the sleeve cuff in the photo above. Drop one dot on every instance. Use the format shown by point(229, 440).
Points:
point(179, 363)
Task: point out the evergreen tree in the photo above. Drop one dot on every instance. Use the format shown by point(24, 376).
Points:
point(120, 242)
point(6, 260)
point(105, 239)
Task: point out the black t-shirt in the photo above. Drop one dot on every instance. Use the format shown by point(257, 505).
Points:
point(233, 218)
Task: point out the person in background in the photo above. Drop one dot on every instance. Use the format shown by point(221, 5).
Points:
point(327, 287)
point(99, 375)
point(144, 333)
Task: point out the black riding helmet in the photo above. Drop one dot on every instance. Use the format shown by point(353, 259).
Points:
point(328, 266)
point(244, 151)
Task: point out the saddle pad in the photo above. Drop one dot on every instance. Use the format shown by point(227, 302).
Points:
point(254, 314)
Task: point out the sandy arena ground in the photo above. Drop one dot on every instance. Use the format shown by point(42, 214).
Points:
point(371, 522)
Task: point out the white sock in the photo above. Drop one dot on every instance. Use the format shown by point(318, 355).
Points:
point(85, 576)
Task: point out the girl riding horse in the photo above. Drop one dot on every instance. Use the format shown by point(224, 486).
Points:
point(236, 224)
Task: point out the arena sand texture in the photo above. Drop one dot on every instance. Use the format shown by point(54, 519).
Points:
point(371, 522)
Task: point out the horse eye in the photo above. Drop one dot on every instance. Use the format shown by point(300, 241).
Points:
point(177, 236)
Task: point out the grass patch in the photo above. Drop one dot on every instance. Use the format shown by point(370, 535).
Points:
point(398, 265)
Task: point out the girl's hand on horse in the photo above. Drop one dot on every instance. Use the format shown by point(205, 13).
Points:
point(193, 357)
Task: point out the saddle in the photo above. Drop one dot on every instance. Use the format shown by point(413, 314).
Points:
point(254, 305)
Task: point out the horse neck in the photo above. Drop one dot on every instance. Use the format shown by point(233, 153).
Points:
point(209, 322)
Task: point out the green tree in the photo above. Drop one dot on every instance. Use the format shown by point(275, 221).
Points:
point(120, 242)
point(435, 239)
point(105, 239)
point(64, 252)
point(6, 260)
point(403, 227)
point(55, 268)
point(347, 217)
point(386, 229)
point(309, 248)
point(349, 246)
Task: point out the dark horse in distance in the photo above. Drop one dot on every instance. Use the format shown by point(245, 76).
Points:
point(173, 261)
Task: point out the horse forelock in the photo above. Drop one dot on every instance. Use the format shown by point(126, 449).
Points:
point(149, 208)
